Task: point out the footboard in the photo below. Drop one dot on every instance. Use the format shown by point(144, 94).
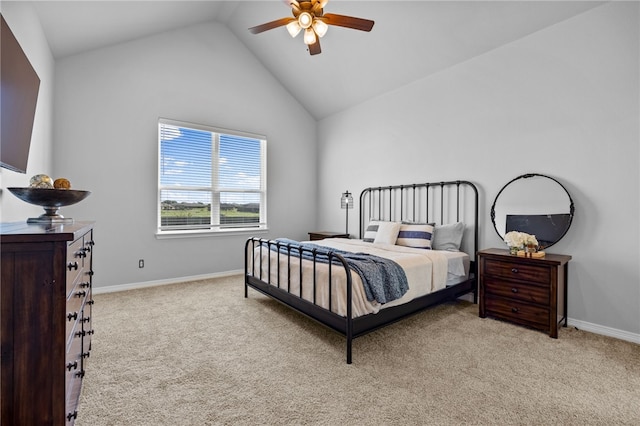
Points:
point(276, 269)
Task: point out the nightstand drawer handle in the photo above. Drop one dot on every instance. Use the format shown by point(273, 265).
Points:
point(514, 290)
point(514, 270)
point(514, 310)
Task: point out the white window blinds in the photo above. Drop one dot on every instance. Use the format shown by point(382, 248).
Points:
point(210, 179)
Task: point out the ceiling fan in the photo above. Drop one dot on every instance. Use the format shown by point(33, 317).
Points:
point(308, 15)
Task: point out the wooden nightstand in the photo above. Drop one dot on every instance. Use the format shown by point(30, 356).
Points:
point(321, 235)
point(526, 291)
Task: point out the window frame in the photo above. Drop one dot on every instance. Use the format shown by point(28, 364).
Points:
point(214, 227)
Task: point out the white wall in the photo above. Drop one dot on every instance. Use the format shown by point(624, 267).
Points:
point(107, 105)
point(25, 26)
point(562, 102)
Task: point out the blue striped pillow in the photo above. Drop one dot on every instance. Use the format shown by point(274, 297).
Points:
point(415, 235)
point(370, 233)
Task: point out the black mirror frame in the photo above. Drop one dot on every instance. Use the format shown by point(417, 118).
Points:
point(526, 176)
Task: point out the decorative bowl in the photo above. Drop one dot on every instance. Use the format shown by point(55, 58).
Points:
point(51, 200)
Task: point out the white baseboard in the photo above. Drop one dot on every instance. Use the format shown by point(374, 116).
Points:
point(603, 330)
point(134, 286)
point(580, 325)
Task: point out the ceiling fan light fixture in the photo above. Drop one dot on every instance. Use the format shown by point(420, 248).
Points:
point(305, 20)
point(294, 28)
point(320, 27)
point(309, 36)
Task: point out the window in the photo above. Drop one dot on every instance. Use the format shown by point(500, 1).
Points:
point(210, 180)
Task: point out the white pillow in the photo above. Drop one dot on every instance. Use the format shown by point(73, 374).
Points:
point(382, 232)
point(387, 232)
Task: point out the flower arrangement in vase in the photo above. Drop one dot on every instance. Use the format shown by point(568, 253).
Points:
point(521, 241)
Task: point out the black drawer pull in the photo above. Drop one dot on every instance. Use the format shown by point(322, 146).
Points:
point(79, 373)
point(73, 415)
point(86, 355)
point(514, 310)
point(514, 270)
point(86, 319)
point(85, 285)
point(73, 265)
point(79, 333)
point(73, 316)
point(514, 290)
point(81, 293)
point(72, 365)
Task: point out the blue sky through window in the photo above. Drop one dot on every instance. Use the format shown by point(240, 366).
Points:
point(186, 161)
point(186, 158)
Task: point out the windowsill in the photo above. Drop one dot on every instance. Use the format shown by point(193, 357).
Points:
point(208, 233)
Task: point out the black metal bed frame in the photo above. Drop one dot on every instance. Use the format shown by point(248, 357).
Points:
point(399, 202)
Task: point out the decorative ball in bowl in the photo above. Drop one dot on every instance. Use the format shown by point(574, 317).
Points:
point(51, 200)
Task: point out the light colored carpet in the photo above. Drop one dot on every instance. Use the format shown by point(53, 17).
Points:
point(199, 353)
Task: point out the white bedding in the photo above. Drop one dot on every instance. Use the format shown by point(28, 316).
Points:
point(426, 270)
point(458, 269)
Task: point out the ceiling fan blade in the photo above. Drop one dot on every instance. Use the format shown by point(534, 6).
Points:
point(293, 4)
point(314, 48)
point(270, 25)
point(348, 21)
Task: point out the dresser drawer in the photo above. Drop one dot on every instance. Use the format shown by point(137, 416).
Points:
point(71, 400)
point(73, 317)
point(74, 265)
point(517, 311)
point(516, 290)
point(515, 271)
point(73, 363)
point(87, 324)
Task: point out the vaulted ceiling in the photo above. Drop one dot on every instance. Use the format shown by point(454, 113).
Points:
point(410, 40)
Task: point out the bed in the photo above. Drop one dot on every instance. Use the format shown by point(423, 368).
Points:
point(416, 249)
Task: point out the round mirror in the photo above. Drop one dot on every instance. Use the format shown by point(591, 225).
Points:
point(536, 204)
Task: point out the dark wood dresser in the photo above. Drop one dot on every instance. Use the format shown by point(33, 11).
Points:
point(526, 291)
point(45, 302)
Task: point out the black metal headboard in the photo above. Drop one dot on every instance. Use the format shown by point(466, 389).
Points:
point(435, 202)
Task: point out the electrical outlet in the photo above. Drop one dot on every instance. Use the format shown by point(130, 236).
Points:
point(141, 263)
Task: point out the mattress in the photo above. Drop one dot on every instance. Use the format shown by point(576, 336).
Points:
point(426, 270)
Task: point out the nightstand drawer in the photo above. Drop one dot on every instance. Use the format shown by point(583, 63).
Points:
point(517, 271)
point(516, 290)
point(516, 311)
